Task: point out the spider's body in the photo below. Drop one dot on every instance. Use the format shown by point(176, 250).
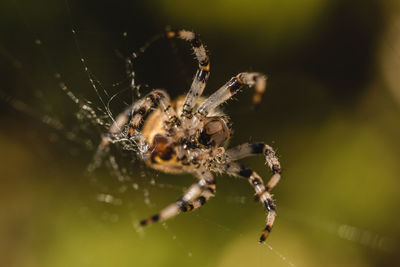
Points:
point(188, 134)
point(183, 148)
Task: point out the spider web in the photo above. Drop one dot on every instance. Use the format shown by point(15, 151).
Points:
point(95, 111)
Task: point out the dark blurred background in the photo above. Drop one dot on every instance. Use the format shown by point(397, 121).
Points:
point(331, 110)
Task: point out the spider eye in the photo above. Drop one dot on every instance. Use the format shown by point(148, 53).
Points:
point(214, 133)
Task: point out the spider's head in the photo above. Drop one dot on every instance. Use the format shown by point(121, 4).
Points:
point(214, 132)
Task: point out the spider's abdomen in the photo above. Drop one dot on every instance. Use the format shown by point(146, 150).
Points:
point(162, 155)
point(162, 151)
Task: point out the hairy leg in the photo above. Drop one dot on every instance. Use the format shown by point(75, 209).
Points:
point(195, 194)
point(208, 192)
point(258, 80)
point(202, 74)
point(135, 114)
point(262, 193)
point(249, 149)
point(156, 98)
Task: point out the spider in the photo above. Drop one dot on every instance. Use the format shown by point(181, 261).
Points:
point(188, 135)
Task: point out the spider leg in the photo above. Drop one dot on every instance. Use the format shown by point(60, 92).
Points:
point(136, 112)
point(202, 74)
point(262, 193)
point(258, 80)
point(249, 149)
point(193, 198)
point(208, 192)
point(156, 98)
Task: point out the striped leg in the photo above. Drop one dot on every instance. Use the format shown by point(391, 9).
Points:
point(262, 193)
point(258, 80)
point(202, 74)
point(136, 112)
point(142, 107)
point(193, 198)
point(249, 149)
point(208, 192)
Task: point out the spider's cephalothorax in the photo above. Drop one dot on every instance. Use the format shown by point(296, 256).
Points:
point(188, 134)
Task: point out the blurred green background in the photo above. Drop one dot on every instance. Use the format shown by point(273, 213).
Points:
point(332, 111)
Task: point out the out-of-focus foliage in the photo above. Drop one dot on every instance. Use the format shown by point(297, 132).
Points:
point(332, 111)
